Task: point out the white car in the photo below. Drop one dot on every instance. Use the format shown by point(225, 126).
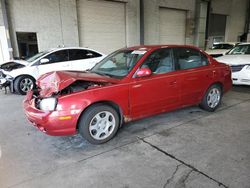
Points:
point(22, 74)
point(239, 60)
point(220, 48)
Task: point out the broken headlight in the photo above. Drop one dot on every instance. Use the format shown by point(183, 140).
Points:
point(48, 104)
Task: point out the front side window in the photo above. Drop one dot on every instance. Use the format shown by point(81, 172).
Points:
point(160, 61)
point(187, 58)
point(58, 56)
point(118, 64)
point(36, 56)
point(240, 49)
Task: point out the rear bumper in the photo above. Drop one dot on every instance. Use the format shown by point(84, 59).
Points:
point(49, 122)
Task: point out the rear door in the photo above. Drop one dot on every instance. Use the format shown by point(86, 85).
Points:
point(81, 59)
point(158, 92)
point(195, 74)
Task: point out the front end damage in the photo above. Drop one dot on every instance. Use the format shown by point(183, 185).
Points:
point(5, 81)
point(45, 106)
point(5, 70)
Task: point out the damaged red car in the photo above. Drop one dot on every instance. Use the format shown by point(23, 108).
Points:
point(129, 84)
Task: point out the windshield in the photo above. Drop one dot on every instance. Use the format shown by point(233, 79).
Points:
point(118, 64)
point(240, 49)
point(36, 56)
point(222, 46)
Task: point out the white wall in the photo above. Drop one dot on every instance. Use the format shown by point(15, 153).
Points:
point(44, 18)
point(4, 52)
point(133, 22)
point(1, 14)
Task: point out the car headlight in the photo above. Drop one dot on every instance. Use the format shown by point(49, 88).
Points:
point(48, 104)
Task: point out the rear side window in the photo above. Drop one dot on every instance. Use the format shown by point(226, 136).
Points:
point(188, 58)
point(94, 54)
point(79, 54)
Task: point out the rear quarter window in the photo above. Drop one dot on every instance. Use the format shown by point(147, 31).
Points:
point(188, 58)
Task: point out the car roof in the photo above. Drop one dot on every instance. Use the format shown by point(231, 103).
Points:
point(244, 43)
point(150, 47)
point(70, 48)
point(233, 43)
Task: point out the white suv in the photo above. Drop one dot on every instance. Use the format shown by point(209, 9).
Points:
point(22, 74)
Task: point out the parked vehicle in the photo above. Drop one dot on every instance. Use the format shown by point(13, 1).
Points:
point(239, 60)
point(129, 84)
point(221, 48)
point(22, 74)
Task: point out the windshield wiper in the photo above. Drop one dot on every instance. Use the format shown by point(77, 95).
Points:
point(101, 73)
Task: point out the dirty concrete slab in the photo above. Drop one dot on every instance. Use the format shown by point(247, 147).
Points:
point(136, 165)
point(217, 145)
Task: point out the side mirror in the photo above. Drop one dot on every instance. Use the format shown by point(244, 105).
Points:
point(44, 61)
point(143, 72)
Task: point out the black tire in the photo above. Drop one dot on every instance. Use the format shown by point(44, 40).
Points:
point(90, 117)
point(18, 84)
point(206, 103)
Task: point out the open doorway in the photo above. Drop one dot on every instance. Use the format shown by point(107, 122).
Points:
point(27, 44)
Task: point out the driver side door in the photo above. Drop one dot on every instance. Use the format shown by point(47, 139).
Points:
point(158, 92)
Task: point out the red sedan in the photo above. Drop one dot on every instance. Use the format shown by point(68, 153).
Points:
point(128, 84)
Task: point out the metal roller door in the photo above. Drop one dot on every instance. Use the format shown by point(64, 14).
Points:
point(172, 26)
point(102, 25)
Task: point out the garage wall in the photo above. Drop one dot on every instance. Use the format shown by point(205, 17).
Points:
point(108, 25)
point(1, 14)
point(235, 10)
point(236, 20)
point(152, 17)
point(172, 26)
point(55, 21)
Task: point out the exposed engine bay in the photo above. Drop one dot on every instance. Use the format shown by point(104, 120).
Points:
point(80, 85)
point(77, 86)
point(11, 66)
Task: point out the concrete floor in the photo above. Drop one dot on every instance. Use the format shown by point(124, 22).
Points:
point(185, 148)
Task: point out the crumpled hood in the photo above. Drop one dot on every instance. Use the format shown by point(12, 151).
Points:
point(234, 59)
point(14, 64)
point(22, 62)
point(53, 82)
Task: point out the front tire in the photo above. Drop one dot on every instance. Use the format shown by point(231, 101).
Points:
point(99, 124)
point(212, 98)
point(23, 84)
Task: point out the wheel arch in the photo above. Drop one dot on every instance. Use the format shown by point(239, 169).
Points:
point(21, 75)
point(24, 75)
point(220, 84)
point(112, 104)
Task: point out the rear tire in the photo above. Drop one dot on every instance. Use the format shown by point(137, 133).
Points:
point(99, 123)
point(23, 84)
point(212, 98)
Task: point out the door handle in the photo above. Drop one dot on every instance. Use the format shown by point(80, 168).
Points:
point(173, 83)
point(66, 65)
